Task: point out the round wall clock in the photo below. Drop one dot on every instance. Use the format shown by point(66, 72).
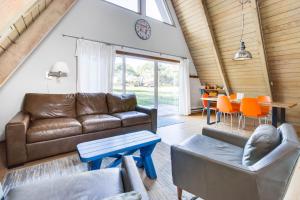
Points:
point(143, 29)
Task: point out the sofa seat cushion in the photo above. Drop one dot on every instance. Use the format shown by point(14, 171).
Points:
point(93, 123)
point(98, 184)
point(50, 129)
point(214, 149)
point(132, 118)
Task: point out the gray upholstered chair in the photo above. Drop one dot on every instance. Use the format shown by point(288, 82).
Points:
point(210, 166)
point(98, 184)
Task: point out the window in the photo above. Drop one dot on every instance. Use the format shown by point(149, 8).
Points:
point(157, 9)
point(128, 4)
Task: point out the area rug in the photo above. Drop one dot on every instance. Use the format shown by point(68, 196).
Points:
point(160, 189)
point(167, 121)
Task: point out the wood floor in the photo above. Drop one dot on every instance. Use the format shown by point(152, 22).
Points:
point(175, 134)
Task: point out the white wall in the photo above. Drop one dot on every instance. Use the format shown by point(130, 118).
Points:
point(94, 19)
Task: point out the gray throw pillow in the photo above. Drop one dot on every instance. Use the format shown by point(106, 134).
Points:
point(264, 139)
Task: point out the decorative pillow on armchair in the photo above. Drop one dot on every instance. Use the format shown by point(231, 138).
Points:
point(264, 139)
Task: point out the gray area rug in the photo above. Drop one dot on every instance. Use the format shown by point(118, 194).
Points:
point(167, 121)
point(160, 189)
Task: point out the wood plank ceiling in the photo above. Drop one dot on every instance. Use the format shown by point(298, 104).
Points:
point(276, 52)
point(27, 31)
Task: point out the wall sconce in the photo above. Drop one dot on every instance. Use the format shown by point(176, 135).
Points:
point(58, 70)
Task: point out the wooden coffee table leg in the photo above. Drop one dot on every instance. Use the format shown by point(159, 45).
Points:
point(147, 160)
point(94, 165)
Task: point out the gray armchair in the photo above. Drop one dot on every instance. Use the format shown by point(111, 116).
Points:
point(98, 184)
point(210, 166)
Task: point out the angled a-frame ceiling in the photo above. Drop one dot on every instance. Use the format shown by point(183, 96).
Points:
point(26, 24)
point(212, 29)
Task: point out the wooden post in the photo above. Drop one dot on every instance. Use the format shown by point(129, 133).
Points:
point(216, 51)
point(260, 44)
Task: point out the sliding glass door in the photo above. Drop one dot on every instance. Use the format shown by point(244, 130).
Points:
point(154, 83)
point(140, 80)
point(168, 88)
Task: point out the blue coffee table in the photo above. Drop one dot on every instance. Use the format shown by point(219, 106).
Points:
point(118, 146)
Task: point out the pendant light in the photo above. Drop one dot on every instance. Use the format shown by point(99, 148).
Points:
point(242, 54)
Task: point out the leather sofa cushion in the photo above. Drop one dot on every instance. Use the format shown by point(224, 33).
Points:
point(93, 123)
point(264, 139)
point(121, 103)
point(50, 129)
point(44, 106)
point(91, 103)
point(132, 118)
point(97, 184)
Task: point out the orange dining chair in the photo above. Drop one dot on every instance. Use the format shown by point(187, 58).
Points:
point(205, 105)
point(235, 105)
point(232, 96)
point(224, 106)
point(250, 108)
point(265, 109)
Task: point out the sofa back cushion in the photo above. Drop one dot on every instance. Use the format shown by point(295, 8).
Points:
point(91, 104)
point(121, 103)
point(264, 139)
point(43, 106)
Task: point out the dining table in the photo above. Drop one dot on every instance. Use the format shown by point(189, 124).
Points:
point(278, 110)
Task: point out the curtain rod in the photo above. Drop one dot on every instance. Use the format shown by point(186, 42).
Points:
point(120, 45)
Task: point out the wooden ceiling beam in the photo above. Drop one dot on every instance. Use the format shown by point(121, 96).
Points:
point(216, 51)
point(261, 45)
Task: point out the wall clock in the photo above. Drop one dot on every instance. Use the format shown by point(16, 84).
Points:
point(143, 29)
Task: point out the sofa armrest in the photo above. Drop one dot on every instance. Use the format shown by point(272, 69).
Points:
point(234, 139)
point(153, 114)
point(15, 133)
point(210, 178)
point(131, 177)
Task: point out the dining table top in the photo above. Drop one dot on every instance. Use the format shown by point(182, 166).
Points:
point(276, 104)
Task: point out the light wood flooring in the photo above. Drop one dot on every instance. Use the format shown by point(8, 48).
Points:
point(177, 133)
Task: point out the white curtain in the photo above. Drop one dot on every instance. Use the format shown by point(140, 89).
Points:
point(95, 66)
point(184, 88)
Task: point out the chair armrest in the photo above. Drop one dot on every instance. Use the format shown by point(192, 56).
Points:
point(15, 133)
point(234, 139)
point(1, 193)
point(153, 114)
point(126, 196)
point(131, 177)
point(210, 178)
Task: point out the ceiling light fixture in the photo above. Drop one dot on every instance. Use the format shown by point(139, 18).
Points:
point(242, 54)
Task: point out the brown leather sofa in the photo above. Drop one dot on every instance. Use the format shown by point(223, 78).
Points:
point(50, 124)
